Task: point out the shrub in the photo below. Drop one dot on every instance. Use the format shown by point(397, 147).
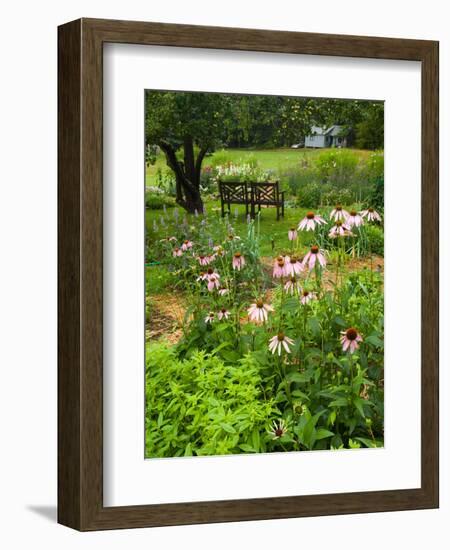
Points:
point(309, 195)
point(213, 409)
point(337, 166)
point(375, 235)
point(157, 201)
point(335, 196)
point(376, 195)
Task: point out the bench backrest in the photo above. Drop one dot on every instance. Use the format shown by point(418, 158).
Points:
point(258, 192)
point(266, 192)
point(233, 191)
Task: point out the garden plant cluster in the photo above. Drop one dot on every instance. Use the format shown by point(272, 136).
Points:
point(281, 346)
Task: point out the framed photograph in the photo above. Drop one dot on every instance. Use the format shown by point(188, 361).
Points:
point(248, 274)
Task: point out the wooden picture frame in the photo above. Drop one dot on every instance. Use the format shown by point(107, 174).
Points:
point(80, 272)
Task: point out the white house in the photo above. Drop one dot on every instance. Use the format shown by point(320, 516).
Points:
point(326, 137)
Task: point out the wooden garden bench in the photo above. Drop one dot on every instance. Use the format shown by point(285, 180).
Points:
point(252, 195)
point(233, 192)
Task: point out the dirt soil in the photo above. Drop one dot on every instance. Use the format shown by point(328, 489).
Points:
point(166, 317)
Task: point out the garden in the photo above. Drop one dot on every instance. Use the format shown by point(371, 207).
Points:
point(264, 335)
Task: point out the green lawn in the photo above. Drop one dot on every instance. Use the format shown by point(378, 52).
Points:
point(268, 159)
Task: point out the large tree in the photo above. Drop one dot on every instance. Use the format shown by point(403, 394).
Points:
point(185, 125)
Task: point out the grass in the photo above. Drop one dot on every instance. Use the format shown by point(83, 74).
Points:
point(280, 159)
point(273, 233)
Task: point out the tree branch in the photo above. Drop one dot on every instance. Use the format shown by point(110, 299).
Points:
point(198, 164)
point(176, 166)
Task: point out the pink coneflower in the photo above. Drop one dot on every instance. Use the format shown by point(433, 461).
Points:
point(223, 314)
point(238, 261)
point(280, 341)
point(213, 282)
point(293, 265)
point(292, 234)
point(372, 215)
point(339, 214)
point(258, 311)
point(354, 219)
point(314, 255)
point(350, 339)
point(310, 220)
point(186, 245)
point(218, 250)
point(292, 285)
point(177, 252)
point(211, 273)
point(210, 318)
point(340, 230)
point(280, 268)
point(278, 429)
point(201, 277)
point(223, 291)
point(204, 260)
point(307, 296)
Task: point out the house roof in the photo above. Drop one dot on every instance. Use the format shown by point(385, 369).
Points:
point(334, 130)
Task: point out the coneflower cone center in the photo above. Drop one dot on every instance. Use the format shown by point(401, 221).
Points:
point(338, 207)
point(279, 432)
point(260, 304)
point(315, 249)
point(237, 255)
point(351, 334)
point(280, 336)
point(210, 271)
point(310, 215)
point(353, 212)
point(305, 293)
point(370, 210)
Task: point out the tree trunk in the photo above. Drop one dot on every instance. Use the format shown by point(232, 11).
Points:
point(187, 174)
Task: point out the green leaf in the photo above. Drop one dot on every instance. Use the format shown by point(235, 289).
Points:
point(314, 326)
point(322, 433)
point(358, 402)
point(160, 419)
point(256, 439)
point(369, 442)
point(298, 377)
point(247, 448)
point(374, 341)
point(340, 402)
point(227, 427)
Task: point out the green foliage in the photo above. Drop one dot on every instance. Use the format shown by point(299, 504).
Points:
point(370, 130)
point(157, 201)
point(170, 116)
point(309, 195)
point(376, 197)
point(201, 406)
point(375, 236)
point(336, 166)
